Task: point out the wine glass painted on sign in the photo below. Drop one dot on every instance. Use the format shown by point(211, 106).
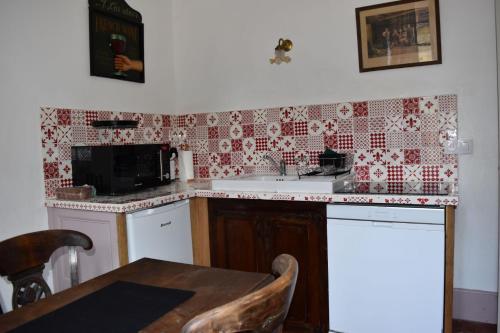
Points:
point(118, 44)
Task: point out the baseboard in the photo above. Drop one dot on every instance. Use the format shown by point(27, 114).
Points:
point(461, 326)
point(475, 305)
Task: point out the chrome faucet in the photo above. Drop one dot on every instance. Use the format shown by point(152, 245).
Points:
point(281, 166)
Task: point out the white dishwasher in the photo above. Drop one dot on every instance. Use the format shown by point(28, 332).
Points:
point(161, 233)
point(386, 269)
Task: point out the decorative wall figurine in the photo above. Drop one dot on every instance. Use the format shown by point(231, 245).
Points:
point(284, 45)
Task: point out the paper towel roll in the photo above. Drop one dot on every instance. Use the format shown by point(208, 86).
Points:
point(186, 171)
point(172, 169)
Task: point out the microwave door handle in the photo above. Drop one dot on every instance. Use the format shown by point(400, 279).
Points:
point(161, 165)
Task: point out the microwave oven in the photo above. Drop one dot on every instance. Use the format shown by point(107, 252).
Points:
point(115, 170)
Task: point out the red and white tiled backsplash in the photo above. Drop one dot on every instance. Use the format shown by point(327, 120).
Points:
point(391, 140)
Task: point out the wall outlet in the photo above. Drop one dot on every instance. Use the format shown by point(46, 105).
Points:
point(459, 147)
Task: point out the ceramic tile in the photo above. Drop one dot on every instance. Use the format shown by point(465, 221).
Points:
point(250, 144)
point(429, 105)
point(225, 132)
point(260, 116)
point(390, 139)
point(64, 117)
point(360, 109)
point(287, 129)
point(378, 156)
point(376, 109)
point(191, 120)
point(237, 158)
point(272, 115)
point(314, 112)
point(248, 130)
point(236, 145)
point(50, 152)
point(360, 125)
point(301, 113)
point(328, 111)
point(344, 111)
point(361, 141)
point(330, 141)
point(287, 114)
point(212, 119)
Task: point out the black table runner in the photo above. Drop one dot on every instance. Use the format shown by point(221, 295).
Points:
point(121, 307)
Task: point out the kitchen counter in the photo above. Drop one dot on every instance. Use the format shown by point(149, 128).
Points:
point(269, 226)
point(202, 188)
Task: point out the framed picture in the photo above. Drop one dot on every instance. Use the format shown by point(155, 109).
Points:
point(398, 34)
point(116, 41)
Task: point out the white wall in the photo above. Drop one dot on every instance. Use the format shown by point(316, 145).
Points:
point(222, 49)
point(44, 61)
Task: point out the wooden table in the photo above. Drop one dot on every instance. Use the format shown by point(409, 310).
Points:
point(213, 287)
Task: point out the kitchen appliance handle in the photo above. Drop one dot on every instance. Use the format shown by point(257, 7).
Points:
point(161, 165)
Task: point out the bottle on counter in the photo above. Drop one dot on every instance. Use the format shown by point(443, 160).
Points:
point(173, 157)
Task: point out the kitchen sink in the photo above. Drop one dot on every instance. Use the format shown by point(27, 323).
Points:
point(270, 183)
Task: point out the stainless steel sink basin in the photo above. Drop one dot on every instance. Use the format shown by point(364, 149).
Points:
point(270, 183)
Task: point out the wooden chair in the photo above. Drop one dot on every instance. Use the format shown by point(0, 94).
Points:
point(23, 258)
point(262, 311)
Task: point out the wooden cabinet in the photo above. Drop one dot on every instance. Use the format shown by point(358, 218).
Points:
point(106, 231)
point(248, 234)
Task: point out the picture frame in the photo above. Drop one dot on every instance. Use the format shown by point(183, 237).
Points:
point(116, 41)
point(398, 34)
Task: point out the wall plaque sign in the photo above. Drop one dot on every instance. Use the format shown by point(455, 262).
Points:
point(116, 40)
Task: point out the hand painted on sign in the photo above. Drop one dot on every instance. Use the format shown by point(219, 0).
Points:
point(125, 64)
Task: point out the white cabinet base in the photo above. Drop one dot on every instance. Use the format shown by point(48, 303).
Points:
point(104, 256)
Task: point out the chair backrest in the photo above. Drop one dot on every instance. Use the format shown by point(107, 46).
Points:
point(263, 311)
point(23, 258)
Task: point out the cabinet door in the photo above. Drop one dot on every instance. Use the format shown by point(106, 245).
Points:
point(102, 258)
point(302, 235)
point(249, 234)
point(234, 238)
